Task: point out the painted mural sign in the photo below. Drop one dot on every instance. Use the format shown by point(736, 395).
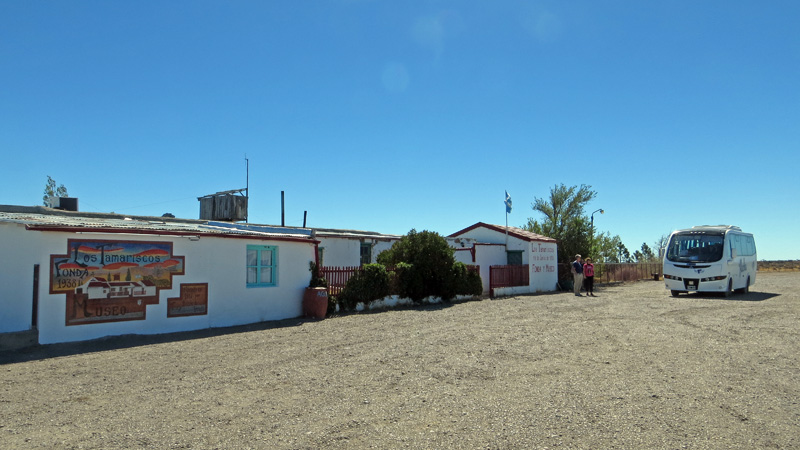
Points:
point(543, 258)
point(192, 302)
point(111, 281)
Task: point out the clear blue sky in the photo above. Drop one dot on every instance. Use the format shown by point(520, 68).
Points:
point(393, 115)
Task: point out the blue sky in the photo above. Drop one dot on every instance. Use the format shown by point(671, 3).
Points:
point(388, 115)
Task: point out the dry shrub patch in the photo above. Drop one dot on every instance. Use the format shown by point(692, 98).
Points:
point(779, 266)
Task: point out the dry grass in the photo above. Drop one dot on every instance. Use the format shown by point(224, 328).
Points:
point(779, 266)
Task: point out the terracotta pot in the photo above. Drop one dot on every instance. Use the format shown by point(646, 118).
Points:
point(315, 302)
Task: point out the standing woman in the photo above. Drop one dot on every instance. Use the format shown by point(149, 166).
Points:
point(588, 276)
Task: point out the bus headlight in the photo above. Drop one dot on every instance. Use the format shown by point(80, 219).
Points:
point(672, 277)
point(721, 277)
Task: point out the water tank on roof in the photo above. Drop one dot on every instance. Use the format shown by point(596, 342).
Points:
point(65, 203)
point(227, 206)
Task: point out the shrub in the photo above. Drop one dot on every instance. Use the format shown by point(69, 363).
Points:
point(368, 284)
point(465, 281)
point(409, 283)
point(317, 280)
point(428, 265)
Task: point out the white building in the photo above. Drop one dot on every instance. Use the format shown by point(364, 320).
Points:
point(71, 276)
point(349, 248)
point(488, 245)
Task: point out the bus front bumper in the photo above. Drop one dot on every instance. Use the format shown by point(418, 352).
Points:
point(709, 284)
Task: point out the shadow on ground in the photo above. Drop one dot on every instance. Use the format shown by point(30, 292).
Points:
point(749, 297)
point(40, 352)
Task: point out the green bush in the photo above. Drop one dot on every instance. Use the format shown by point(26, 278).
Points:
point(409, 284)
point(428, 268)
point(465, 281)
point(317, 280)
point(368, 284)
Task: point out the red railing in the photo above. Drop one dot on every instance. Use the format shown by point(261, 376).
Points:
point(337, 277)
point(508, 276)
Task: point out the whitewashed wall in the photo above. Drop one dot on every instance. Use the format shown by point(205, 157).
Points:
point(490, 250)
point(544, 266)
point(487, 255)
point(220, 262)
point(340, 251)
point(18, 248)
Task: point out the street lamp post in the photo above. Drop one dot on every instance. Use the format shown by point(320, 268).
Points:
point(592, 219)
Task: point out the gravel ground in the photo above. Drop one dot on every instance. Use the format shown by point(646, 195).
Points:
point(630, 369)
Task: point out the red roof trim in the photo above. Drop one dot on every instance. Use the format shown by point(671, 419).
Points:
point(512, 231)
point(66, 229)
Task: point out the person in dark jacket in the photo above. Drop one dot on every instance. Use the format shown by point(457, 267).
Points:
point(577, 275)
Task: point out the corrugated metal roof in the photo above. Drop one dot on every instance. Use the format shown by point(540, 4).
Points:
point(329, 232)
point(44, 219)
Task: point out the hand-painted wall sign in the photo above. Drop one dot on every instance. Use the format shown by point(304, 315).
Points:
point(109, 281)
point(192, 302)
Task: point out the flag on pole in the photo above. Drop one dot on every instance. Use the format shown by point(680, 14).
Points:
point(508, 203)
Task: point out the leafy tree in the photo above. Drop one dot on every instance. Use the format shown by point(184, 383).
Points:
point(646, 253)
point(424, 263)
point(564, 219)
point(50, 190)
point(607, 248)
point(623, 254)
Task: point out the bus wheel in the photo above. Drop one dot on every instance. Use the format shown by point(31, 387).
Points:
point(675, 293)
point(729, 290)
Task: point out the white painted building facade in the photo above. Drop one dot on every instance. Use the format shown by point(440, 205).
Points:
point(79, 276)
point(351, 248)
point(489, 245)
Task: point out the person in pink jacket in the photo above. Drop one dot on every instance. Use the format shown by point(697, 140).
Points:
point(588, 277)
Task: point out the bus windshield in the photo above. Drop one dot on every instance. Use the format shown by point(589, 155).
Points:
point(696, 247)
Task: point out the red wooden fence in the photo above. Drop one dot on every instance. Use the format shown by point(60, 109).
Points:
point(337, 277)
point(507, 276)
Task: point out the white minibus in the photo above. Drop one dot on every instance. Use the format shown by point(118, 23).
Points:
point(710, 259)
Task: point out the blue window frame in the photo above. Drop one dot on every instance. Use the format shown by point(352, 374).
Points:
point(262, 265)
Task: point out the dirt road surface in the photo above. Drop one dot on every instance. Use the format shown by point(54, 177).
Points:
point(630, 369)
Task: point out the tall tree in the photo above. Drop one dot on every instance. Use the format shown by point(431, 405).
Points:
point(647, 252)
point(50, 190)
point(607, 247)
point(564, 219)
point(623, 253)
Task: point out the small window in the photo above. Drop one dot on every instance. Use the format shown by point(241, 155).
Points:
point(514, 257)
point(262, 265)
point(320, 254)
point(366, 253)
